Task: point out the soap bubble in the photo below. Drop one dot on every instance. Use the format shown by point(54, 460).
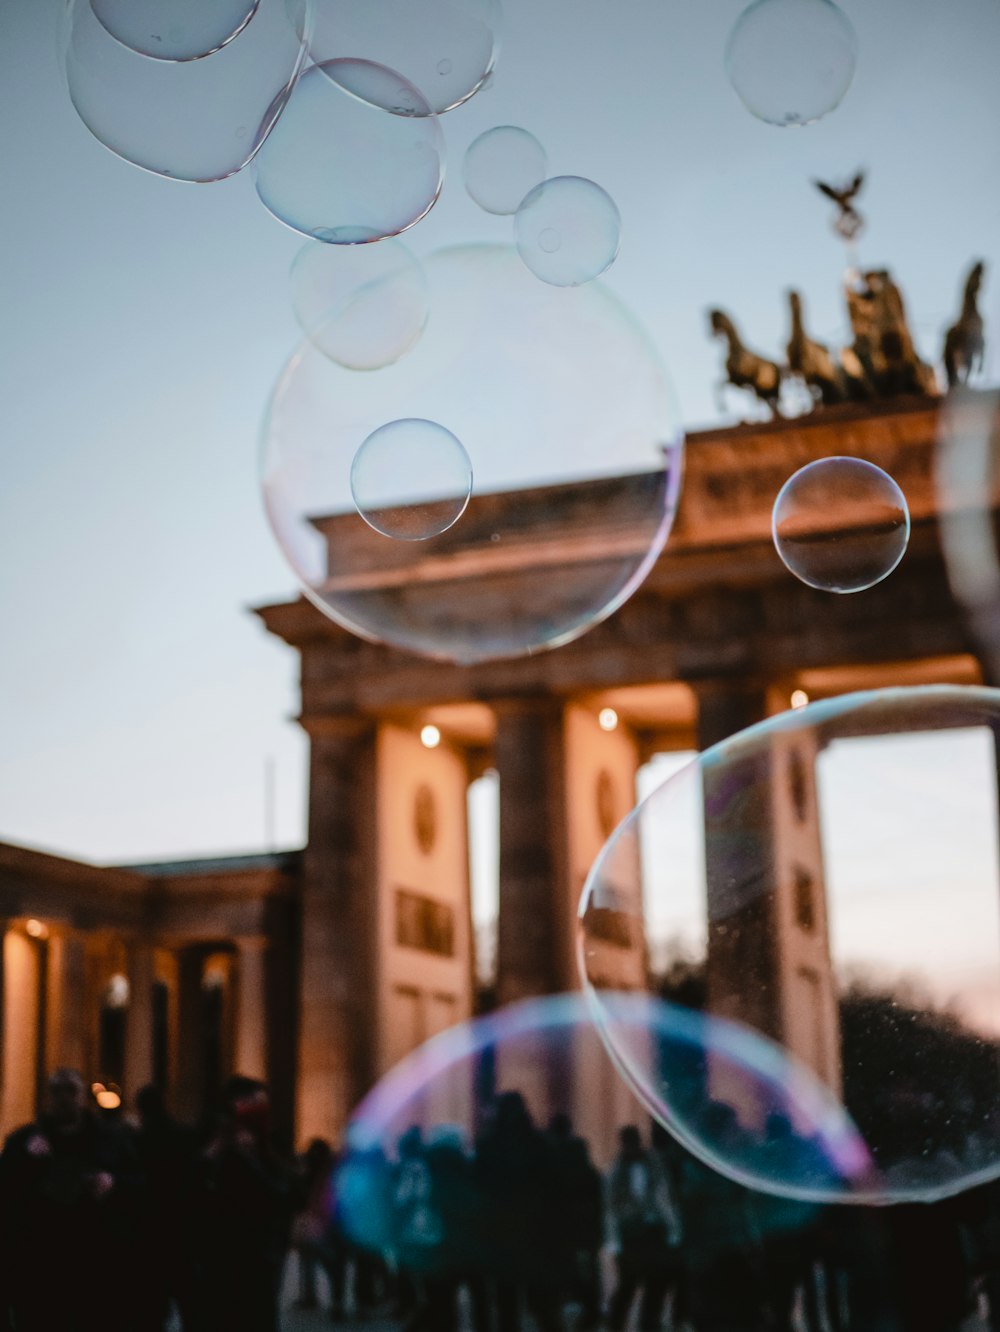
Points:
point(829, 879)
point(501, 166)
point(564, 408)
point(446, 48)
point(364, 306)
point(339, 168)
point(180, 30)
point(199, 120)
point(791, 61)
point(840, 524)
point(568, 231)
point(477, 1151)
point(411, 479)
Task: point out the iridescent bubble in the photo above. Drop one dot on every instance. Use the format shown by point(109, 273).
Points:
point(470, 1153)
point(411, 479)
point(339, 168)
point(828, 879)
point(179, 30)
point(198, 120)
point(840, 524)
point(568, 231)
point(501, 166)
point(791, 61)
point(563, 405)
point(446, 48)
point(364, 306)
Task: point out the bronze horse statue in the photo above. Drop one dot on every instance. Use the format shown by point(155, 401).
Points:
point(964, 342)
point(744, 368)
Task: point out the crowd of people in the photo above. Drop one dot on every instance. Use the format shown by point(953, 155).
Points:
point(140, 1227)
point(519, 1229)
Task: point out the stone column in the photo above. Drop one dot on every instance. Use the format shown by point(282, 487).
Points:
point(67, 1003)
point(251, 1009)
point(337, 976)
point(531, 945)
point(728, 706)
point(743, 970)
point(139, 1019)
point(21, 1013)
point(187, 1084)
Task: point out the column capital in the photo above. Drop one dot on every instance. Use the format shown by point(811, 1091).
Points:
point(333, 726)
point(251, 943)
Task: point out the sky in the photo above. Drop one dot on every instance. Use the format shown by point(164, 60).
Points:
point(144, 322)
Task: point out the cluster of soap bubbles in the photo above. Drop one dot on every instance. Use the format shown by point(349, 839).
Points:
point(469, 463)
point(567, 229)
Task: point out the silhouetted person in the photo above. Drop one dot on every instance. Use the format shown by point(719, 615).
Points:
point(68, 1200)
point(580, 1234)
point(520, 1196)
point(246, 1198)
point(168, 1157)
point(721, 1248)
point(642, 1218)
point(311, 1227)
point(788, 1229)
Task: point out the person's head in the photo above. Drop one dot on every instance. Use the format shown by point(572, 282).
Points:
point(318, 1157)
point(246, 1105)
point(560, 1126)
point(630, 1140)
point(66, 1098)
point(149, 1104)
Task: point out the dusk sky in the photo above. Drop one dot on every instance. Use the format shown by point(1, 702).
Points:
point(145, 322)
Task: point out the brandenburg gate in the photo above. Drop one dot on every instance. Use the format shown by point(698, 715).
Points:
point(718, 637)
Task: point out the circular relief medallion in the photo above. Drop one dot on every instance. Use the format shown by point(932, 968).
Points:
point(425, 818)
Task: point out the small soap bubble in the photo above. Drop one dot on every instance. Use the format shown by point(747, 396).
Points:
point(840, 524)
point(411, 479)
point(501, 166)
point(339, 168)
point(791, 61)
point(446, 48)
point(181, 30)
point(363, 306)
point(825, 882)
point(567, 230)
point(198, 120)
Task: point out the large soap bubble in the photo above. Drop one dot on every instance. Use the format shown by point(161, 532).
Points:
point(563, 407)
point(341, 169)
point(568, 230)
point(840, 524)
point(501, 166)
point(199, 120)
point(179, 30)
point(791, 61)
point(446, 48)
point(477, 1153)
point(829, 879)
